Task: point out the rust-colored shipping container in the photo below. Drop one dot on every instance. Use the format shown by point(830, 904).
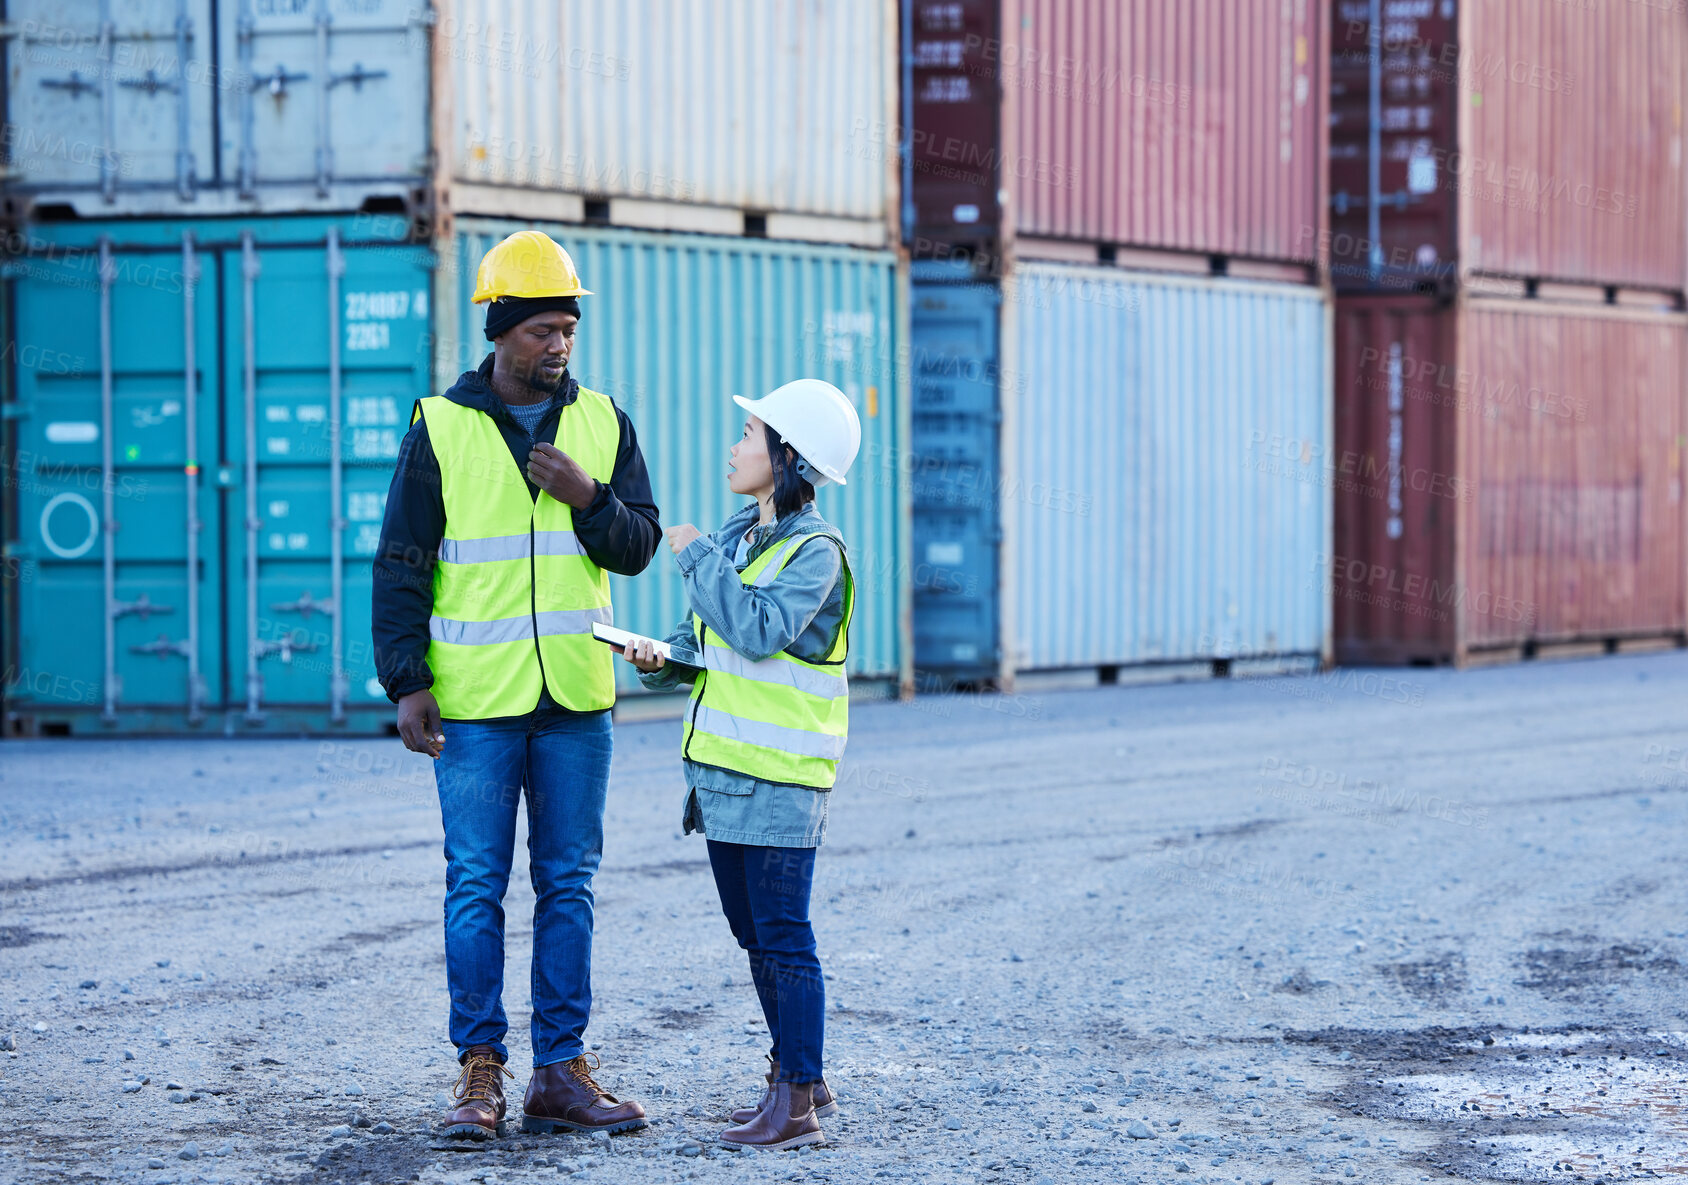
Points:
point(1194, 126)
point(1513, 138)
point(1507, 474)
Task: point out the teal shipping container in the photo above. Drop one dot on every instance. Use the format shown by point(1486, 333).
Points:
point(1169, 472)
point(680, 323)
point(202, 419)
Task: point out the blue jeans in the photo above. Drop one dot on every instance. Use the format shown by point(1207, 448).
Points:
point(564, 763)
point(765, 895)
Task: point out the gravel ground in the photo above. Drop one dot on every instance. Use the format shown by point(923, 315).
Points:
point(1375, 926)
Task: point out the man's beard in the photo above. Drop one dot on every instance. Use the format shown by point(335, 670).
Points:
point(536, 381)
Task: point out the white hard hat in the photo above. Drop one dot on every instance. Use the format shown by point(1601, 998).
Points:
point(815, 418)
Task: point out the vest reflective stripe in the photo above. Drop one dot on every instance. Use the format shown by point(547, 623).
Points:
point(780, 719)
point(509, 547)
point(776, 670)
point(767, 736)
point(551, 623)
point(515, 594)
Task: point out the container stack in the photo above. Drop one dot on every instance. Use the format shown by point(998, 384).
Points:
point(725, 184)
point(241, 241)
point(1508, 245)
point(219, 322)
point(1121, 336)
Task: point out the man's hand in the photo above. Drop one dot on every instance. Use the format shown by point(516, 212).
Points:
point(681, 535)
point(419, 723)
point(561, 476)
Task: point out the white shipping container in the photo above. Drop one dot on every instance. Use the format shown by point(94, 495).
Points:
point(195, 107)
point(681, 116)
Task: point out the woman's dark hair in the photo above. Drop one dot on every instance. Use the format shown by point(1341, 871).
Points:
point(790, 490)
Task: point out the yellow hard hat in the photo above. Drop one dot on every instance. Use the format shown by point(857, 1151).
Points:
point(529, 263)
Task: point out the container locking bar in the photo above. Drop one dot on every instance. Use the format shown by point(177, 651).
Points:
point(190, 472)
point(336, 492)
point(108, 483)
point(249, 381)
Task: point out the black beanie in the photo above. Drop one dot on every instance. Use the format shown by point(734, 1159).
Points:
point(510, 311)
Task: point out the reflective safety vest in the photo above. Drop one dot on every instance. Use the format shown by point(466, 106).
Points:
point(515, 594)
point(781, 719)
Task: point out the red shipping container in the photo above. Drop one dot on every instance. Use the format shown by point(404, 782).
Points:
point(1194, 126)
point(1507, 473)
point(1515, 138)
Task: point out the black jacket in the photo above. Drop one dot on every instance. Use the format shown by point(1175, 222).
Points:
point(619, 530)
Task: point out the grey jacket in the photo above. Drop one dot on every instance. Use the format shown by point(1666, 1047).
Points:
point(800, 612)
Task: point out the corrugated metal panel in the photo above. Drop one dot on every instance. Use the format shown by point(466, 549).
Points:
point(1575, 113)
point(1169, 477)
point(1515, 476)
point(681, 323)
point(765, 105)
point(1514, 139)
point(272, 621)
point(1191, 125)
point(1576, 476)
point(142, 107)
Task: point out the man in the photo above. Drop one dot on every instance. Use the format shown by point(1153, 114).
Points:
point(516, 492)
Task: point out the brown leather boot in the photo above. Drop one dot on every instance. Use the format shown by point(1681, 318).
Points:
point(562, 1096)
point(825, 1103)
point(788, 1121)
point(479, 1091)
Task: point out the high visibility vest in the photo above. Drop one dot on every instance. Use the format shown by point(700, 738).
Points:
point(781, 719)
point(515, 594)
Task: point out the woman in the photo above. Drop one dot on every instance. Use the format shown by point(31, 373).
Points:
point(764, 648)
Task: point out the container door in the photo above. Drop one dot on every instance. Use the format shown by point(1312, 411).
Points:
point(116, 391)
point(327, 355)
point(335, 91)
point(109, 97)
point(956, 506)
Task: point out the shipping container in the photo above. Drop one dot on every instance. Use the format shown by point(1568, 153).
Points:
point(203, 107)
point(1166, 504)
point(955, 375)
point(1508, 476)
point(1508, 138)
point(952, 102)
point(1146, 472)
point(204, 419)
point(677, 325)
point(767, 116)
point(1189, 126)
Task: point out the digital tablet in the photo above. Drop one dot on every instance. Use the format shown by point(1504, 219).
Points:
point(611, 636)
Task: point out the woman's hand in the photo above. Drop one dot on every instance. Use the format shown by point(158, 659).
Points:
point(681, 535)
point(643, 655)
